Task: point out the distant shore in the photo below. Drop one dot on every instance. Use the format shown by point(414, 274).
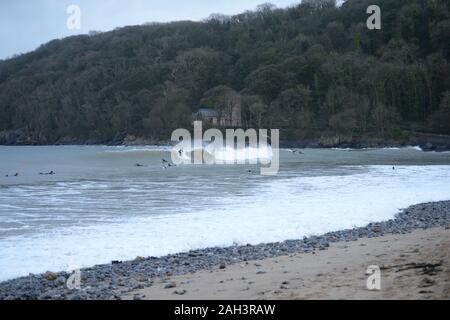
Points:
point(426, 141)
point(119, 279)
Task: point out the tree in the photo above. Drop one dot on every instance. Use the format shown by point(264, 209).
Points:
point(440, 119)
point(227, 101)
point(320, 4)
point(266, 82)
point(291, 110)
point(385, 119)
point(253, 111)
point(310, 69)
point(198, 70)
point(336, 35)
point(344, 121)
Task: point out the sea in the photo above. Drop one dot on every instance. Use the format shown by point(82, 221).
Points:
point(104, 203)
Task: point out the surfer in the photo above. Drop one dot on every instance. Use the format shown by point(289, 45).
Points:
point(47, 173)
point(167, 164)
point(16, 175)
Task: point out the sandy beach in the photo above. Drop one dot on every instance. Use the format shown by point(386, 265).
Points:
point(413, 266)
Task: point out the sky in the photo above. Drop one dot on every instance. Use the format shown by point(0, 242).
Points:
point(26, 24)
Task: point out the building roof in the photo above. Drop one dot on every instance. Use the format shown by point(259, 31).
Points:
point(207, 113)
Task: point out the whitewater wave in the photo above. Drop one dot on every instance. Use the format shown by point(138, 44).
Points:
point(274, 211)
point(417, 148)
point(124, 149)
point(227, 155)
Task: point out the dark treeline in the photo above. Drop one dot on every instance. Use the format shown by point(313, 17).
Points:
point(311, 70)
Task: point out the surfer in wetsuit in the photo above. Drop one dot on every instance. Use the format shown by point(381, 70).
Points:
point(48, 173)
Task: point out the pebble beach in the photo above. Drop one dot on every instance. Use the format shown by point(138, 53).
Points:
point(125, 279)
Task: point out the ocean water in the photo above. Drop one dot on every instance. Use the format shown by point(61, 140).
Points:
point(100, 207)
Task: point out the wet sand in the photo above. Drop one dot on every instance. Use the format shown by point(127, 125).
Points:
point(413, 266)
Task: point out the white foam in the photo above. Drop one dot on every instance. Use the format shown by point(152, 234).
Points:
point(278, 210)
point(417, 148)
point(230, 155)
point(137, 149)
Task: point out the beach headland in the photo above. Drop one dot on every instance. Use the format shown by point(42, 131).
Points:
point(411, 250)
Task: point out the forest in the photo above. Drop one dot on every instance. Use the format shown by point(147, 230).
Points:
point(311, 70)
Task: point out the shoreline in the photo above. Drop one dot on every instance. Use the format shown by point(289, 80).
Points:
point(426, 141)
point(116, 280)
point(283, 146)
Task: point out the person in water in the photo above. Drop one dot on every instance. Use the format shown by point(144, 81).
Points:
point(15, 175)
point(47, 173)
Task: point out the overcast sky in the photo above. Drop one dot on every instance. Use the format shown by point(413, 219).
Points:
point(25, 24)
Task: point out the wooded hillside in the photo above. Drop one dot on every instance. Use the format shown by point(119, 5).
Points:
point(312, 70)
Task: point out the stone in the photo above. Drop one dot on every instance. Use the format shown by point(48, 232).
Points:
point(170, 285)
point(426, 282)
point(180, 292)
point(50, 276)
